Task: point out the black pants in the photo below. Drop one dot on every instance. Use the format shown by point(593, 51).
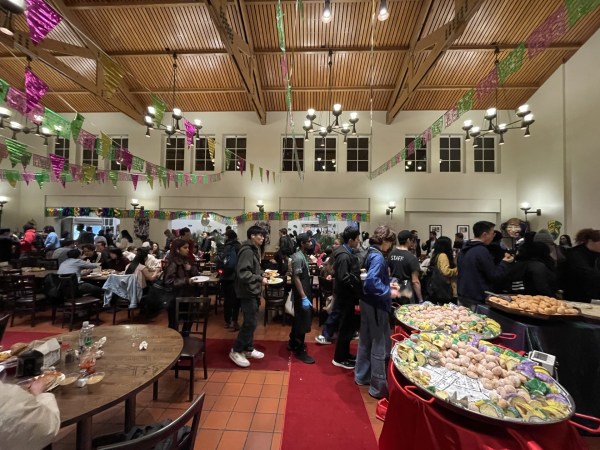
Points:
point(347, 328)
point(245, 338)
point(92, 289)
point(300, 326)
point(231, 307)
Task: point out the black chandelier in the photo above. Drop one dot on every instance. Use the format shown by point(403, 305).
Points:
point(333, 123)
point(176, 115)
point(523, 121)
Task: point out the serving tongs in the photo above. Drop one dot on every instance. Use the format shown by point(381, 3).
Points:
point(508, 298)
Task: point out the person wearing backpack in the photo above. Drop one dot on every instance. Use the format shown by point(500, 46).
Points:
point(404, 266)
point(226, 267)
point(375, 307)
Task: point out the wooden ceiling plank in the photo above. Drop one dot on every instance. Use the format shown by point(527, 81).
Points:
point(443, 38)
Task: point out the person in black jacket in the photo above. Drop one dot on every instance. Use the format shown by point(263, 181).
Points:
point(583, 267)
point(346, 295)
point(533, 272)
point(231, 307)
point(248, 288)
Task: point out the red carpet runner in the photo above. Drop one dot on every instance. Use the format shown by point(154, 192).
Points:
point(276, 355)
point(324, 407)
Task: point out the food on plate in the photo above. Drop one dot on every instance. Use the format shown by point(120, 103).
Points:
point(49, 380)
point(96, 378)
point(537, 304)
point(18, 348)
point(508, 386)
point(448, 318)
point(69, 379)
point(5, 355)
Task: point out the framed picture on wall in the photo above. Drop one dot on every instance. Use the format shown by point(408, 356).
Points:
point(465, 230)
point(436, 228)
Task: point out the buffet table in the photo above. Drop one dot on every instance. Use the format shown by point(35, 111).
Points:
point(414, 423)
point(574, 343)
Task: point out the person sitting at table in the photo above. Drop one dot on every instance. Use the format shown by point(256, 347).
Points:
point(130, 252)
point(125, 241)
point(101, 254)
point(73, 264)
point(155, 250)
point(28, 419)
point(152, 262)
point(177, 274)
point(117, 261)
point(87, 252)
point(60, 254)
point(140, 270)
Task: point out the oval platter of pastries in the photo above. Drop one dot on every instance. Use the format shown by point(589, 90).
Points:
point(538, 306)
point(482, 380)
point(448, 318)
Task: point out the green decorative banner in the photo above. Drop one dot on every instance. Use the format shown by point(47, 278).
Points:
point(57, 124)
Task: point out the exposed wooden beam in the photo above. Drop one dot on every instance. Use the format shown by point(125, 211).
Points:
point(241, 54)
point(80, 30)
point(73, 50)
point(103, 4)
point(437, 42)
point(22, 42)
point(383, 88)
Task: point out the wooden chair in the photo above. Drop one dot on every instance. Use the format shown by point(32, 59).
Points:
point(185, 442)
point(8, 292)
point(275, 300)
point(27, 300)
point(192, 310)
point(74, 303)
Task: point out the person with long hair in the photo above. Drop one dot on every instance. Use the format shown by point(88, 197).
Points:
point(125, 241)
point(375, 306)
point(138, 268)
point(583, 267)
point(117, 261)
point(178, 272)
point(443, 260)
point(565, 242)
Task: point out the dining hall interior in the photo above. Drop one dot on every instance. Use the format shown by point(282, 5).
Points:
point(419, 115)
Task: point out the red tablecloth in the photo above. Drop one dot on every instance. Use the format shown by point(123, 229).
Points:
point(412, 423)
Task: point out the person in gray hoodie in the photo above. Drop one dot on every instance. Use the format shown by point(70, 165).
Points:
point(248, 287)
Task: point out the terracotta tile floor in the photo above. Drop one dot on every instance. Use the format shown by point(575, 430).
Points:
point(243, 409)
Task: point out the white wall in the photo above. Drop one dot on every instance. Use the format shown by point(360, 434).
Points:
point(531, 169)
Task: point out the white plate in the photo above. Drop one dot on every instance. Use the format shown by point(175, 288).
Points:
point(275, 280)
point(199, 279)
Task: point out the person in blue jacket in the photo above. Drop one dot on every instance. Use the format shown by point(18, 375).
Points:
point(375, 306)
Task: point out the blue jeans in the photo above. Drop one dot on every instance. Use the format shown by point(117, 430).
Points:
point(245, 339)
point(374, 347)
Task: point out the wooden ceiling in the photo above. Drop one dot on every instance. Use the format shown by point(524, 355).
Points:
point(371, 60)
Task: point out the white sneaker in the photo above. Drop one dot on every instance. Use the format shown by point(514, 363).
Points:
point(254, 354)
point(320, 339)
point(239, 359)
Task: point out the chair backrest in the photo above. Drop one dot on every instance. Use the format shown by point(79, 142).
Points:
point(25, 285)
point(325, 285)
point(194, 310)
point(3, 325)
point(68, 285)
point(171, 430)
point(50, 264)
point(275, 291)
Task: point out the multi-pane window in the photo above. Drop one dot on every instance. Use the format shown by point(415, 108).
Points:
point(119, 143)
point(417, 160)
point(484, 154)
point(357, 154)
point(288, 162)
point(202, 158)
point(89, 156)
point(325, 154)
point(450, 154)
point(61, 147)
point(175, 152)
point(235, 148)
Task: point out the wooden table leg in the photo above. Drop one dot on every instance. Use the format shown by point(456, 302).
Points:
point(130, 405)
point(84, 434)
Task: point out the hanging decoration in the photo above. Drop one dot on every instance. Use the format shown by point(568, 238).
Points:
point(190, 131)
point(41, 178)
point(76, 125)
point(547, 33)
point(41, 18)
point(159, 109)
point(211, 148)
point(57, 124)
point(17, 153)
point(12, 176)
point(4, 87)
point(113, 74)
point(58, 163)
point(576, 9)
point(87, 140)
point(35, 89)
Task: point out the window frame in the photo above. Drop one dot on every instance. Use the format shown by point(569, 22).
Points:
point(172, 143)
point(206, 160)
point(410, 159)
point(64, 149)
point(450, 150)
point(358, 149)
point(482, 139)
point(114, 164)
point(232, 165)
point(330, 163)
point(291, 162)
point(94, 161)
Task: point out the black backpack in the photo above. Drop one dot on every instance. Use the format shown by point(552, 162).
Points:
point(226, 259)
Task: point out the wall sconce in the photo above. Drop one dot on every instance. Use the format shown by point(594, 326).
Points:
point(135, 203)
point(3, 201)
point(525, 207)
point(261, 206)
point(390, 209)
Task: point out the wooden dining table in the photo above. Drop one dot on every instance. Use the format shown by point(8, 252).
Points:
point(127, 370)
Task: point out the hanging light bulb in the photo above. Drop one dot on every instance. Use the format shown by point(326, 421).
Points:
point(383, 11)
point(327, 16)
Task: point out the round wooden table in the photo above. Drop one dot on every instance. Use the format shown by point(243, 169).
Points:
point(127, 371)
